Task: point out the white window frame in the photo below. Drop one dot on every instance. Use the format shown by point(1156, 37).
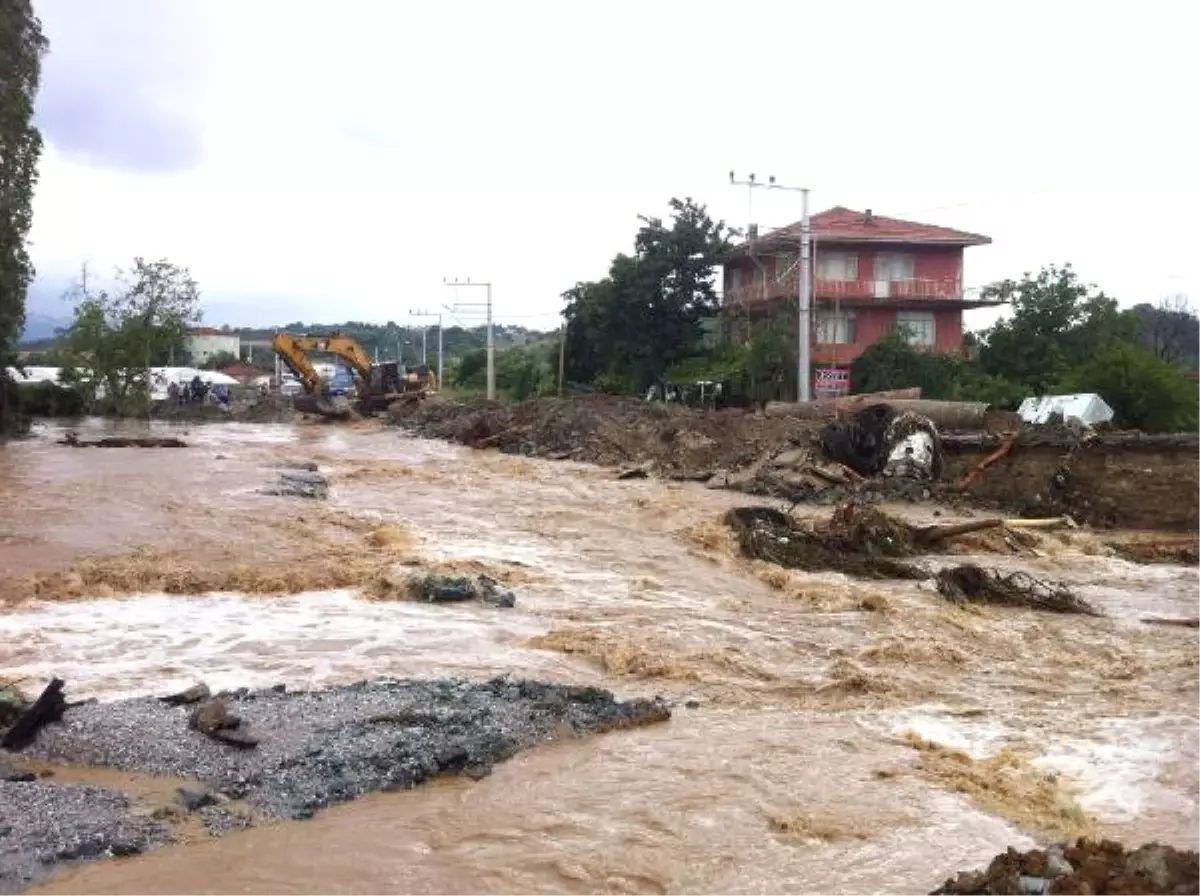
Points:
point(920, 327)
point(839, 266)
point(893, 267)
point(842, 324)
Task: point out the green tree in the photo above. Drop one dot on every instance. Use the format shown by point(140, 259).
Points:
point(218, 360)
point(893, 363)
point(22, 45)
point(1144, 391)
point(115, 337)
point(624, 331)
point(1058, 323)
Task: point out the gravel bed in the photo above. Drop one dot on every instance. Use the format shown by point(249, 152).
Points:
point(316, 748)
point(44, 823)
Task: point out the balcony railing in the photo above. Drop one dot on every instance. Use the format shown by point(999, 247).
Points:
point(869, 290)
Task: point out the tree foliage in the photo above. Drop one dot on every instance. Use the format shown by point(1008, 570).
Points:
point(1063, 337)
point(893, 363)
point(1058, 323)
point(21, 48)
point(625, 330)
point(1144, 391)
point(117, 335)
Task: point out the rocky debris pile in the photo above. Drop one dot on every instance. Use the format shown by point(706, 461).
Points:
point(969, 582)
point(1084, 867)
point(316, 748)
point(435, 588)
point(72, 439)
point(674, 441)
point(299, 479)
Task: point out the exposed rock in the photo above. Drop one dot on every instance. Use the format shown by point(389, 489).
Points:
point(300, 484)
point(215, 719)
point(442, 589)
point(193, 800)
point(1085, 867)
point(48, 707)
point(194, 694)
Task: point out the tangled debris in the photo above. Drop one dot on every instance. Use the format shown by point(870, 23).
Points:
point(72, 439)
point(856, 540)
point(969, 582)
point(1085, 866)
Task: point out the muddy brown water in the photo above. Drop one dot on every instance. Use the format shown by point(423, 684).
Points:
point(795, 770)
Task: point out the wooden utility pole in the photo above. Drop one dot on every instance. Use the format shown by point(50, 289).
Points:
point(562, 356)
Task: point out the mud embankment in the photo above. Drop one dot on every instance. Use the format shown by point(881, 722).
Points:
point(314, 749)
point(1113, 479)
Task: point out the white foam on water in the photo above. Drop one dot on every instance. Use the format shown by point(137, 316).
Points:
point(150, 643)
point(1118, 771)
point(978, 738)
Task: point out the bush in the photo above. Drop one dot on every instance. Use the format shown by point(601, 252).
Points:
point(1144, 391)
point(48, 399)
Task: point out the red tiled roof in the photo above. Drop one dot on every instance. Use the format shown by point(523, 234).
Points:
point(208, 331)
point(843, 225)
point(240, 371)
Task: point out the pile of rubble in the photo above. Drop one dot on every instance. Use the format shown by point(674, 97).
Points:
point(1085, 866)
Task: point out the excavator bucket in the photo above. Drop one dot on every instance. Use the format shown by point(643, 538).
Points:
point(335, 406)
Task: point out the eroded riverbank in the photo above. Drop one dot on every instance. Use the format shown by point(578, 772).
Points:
point(809, 686)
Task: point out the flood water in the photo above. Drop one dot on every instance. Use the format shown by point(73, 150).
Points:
point(792, 769)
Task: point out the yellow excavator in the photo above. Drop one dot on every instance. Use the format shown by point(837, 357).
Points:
point(375, 385)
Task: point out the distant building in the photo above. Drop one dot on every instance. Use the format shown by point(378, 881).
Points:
point(205, 342)
point(870, 275)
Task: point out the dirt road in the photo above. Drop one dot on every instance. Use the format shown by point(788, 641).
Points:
point(844, 737)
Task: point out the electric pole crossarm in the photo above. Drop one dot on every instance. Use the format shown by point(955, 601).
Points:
point(804, 293)
point(491, 341)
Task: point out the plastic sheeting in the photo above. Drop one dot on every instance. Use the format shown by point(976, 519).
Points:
point(1086, 407)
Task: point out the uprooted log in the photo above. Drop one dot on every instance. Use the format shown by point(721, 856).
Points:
point(858, 541)
point(822, 408)
point(1182, 622)
point(73, 440)
point(969, 582)
point(48, 707)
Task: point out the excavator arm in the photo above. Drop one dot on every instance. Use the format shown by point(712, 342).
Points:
point(295, 356)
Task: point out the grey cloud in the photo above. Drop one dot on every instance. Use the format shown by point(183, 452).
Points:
point(123, 83)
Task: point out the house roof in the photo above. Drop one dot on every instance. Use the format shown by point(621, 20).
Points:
point(843, 225)
point(208, 331)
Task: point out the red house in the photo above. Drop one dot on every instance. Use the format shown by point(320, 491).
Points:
point(870, 274)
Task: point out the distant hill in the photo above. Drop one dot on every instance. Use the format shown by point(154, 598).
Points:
point(42, 327)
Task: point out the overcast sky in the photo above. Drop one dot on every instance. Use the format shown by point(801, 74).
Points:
point(329, 161)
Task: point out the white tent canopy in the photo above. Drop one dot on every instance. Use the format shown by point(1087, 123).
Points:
point(1086, 407)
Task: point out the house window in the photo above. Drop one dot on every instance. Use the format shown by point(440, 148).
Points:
point(918, 327)
point(783, 266)
point(837, 266)
point(835, 328)
point(894, 266)
point(735, 279)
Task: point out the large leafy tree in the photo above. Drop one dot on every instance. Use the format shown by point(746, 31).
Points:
point(117, 335)
point(1058, 323)
point(625, 330)
point(21, 47)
